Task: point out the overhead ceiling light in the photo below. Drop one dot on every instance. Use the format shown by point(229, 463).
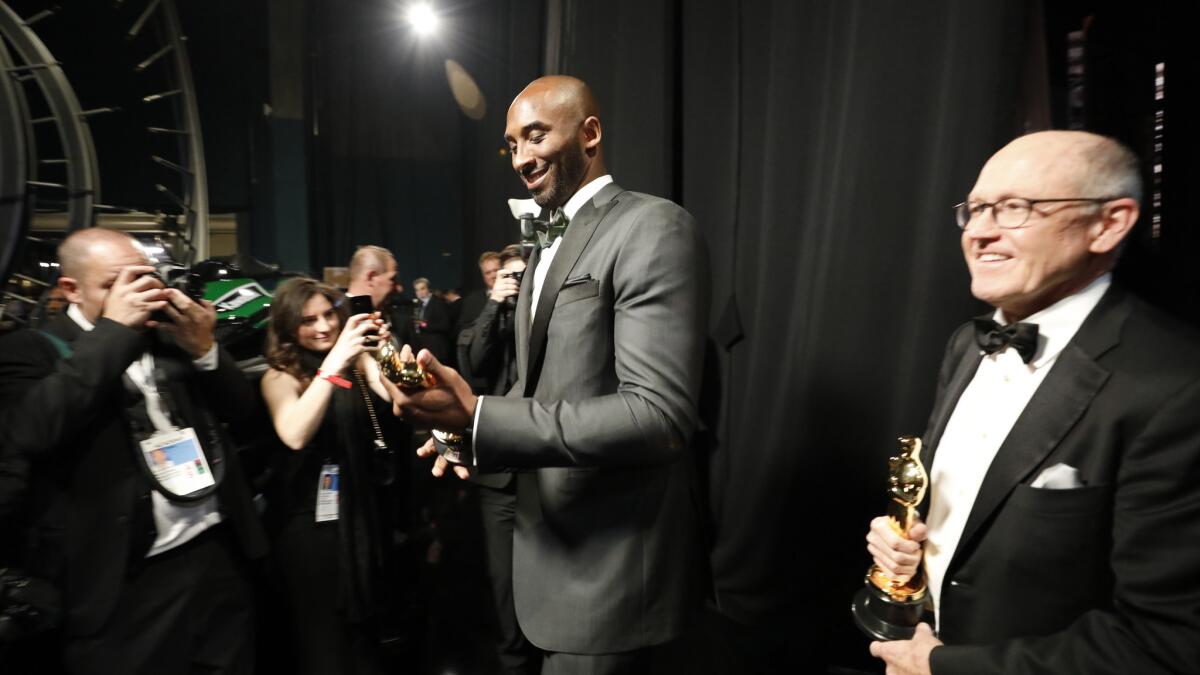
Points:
point(422, 18)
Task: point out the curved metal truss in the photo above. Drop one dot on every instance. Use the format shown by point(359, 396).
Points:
point(58, 174)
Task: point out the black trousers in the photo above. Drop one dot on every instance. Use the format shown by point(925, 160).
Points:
point(498, 508)
point(187, 610)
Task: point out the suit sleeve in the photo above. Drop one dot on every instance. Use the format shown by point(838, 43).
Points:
point(486, 347)
point(1153, 625)
point(660, 306)
point(59, 399)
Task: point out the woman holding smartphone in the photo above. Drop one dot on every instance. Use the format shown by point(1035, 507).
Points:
point(331, 503)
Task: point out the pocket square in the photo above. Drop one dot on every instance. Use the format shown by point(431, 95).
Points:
point(1058, 477)
point(577, 280)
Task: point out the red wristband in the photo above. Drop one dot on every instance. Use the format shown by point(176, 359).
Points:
point(334, 379)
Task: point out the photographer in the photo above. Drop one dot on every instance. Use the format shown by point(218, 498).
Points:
point(151, 564)
point(491, 350)
point(488, 347)
point(333, 505)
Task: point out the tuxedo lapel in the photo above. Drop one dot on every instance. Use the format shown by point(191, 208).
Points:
point(968, 358)
point(576, 239)
point(524, 303)
point(1056, 406)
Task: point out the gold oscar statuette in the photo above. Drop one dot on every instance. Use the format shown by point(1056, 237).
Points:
point(890, 608)
point(410, 377)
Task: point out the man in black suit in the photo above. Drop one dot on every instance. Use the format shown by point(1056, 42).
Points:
point(153, 580)
point(431, 321)
point(1064, 444)
point(472, 304)
point(610, 328)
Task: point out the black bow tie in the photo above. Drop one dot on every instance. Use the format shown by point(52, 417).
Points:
point(992, 337)
point(547, 232)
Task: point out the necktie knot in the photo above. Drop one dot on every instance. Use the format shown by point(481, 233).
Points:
point(553, 229)
point(993, 338)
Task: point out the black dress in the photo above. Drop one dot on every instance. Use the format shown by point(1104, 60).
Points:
point(340, 577)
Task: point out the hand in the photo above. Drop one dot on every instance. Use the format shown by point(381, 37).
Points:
point(449, 405)
point(135, 295)
point(894, 554)
point(440, 463)
point(191, 322)
point(350, 343)
point(384, 333)
point(908, 657)
point(505, 287)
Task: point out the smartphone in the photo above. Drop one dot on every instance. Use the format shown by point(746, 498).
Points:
point(361, 304)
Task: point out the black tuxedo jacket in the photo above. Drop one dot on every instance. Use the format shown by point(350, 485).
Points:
point(1104, 578)
point(63, 421)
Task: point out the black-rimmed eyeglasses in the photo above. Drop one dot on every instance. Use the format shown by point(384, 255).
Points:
point(1012, 212)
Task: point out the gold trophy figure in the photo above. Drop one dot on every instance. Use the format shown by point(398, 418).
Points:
point(888, 608)
point(410, 376)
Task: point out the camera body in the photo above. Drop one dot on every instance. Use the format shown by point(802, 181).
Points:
point(519, 275)
point(180, 278)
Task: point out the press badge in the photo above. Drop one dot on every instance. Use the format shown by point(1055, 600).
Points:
point(178, 464)
point(327, 494)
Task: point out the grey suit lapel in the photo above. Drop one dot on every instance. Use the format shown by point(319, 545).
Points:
point(1056, 406)
point(524, 304)
point(579, 233)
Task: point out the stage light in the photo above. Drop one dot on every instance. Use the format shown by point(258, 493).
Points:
point(422, 18)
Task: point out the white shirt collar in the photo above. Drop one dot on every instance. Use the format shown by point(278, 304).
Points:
point(583, 194)
point(77, 316)
point(1059, 322)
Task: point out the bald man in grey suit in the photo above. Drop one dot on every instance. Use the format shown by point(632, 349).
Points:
point(610, 331)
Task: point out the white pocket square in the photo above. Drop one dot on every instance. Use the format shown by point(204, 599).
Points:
point(1058, 477)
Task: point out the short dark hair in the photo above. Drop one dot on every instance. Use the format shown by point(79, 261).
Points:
point(509, 252)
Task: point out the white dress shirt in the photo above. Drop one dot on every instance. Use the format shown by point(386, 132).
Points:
point(176, 523)
point(572, 207)
point(576, 202)
point(982, 419)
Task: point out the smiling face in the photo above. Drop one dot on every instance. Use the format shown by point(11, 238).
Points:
point(1062, 247)
point(319, 325)
point(554, 139)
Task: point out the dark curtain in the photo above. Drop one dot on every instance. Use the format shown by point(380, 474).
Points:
point(821, 147)
point(394, 160)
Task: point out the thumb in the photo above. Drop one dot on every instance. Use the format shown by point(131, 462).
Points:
point(430, 364)
point(918, 532)
point(923, 630)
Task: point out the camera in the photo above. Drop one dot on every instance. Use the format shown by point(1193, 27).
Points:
point(518, 275)
point(188, 281)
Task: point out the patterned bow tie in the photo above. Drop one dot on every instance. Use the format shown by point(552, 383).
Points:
point(552, 230)
point(992, 337)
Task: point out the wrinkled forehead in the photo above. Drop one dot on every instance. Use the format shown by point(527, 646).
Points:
point(1034, 170)
point(105, 261)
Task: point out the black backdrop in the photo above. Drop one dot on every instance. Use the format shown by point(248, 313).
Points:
point(394, 160)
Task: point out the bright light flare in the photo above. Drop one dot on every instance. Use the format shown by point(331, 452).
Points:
point(422, 18)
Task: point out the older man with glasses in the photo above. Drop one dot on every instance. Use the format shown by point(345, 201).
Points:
point(1064, 443)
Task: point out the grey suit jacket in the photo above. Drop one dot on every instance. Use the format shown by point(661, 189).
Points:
point(605, 543)
point(1100, 578)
